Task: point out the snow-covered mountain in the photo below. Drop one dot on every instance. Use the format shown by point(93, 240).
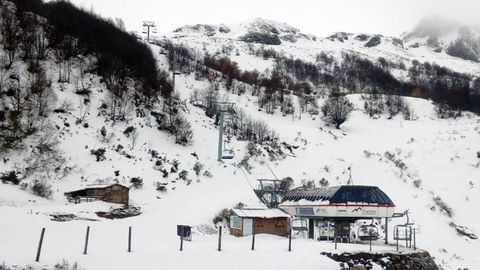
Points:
point(425, 163)
point(290, 41)
point(462, 41)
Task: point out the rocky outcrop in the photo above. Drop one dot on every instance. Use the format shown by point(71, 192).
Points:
point(391, 261)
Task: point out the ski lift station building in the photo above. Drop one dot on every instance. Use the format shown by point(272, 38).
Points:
point(341, 204)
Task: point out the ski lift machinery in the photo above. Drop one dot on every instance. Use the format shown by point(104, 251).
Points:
point(223, 109)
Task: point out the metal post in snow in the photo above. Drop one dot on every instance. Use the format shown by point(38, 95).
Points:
point(86, 240)
point(406, 238)
point(130, 239)
point(410, 238)
point(370, 238)
point(40, 243)
point(335, 236)
point(253, 238)
point(220, 135)
point(182, 231)
point(220, 238)
point(414, 240)
point(290, 239)
point(386, 231)
point(396, 231)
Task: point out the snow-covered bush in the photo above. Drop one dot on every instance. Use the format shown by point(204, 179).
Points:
point(287, 106)
point(335, 110)
point(10, 177)
point(397, 104)
point(197, 168)
point(417, 183)
point(65, 265)
point(183, 175)
point(447, 210)
point(162, 187)
point(128, 130)
point(373, 105)
point(249, 129)
point(223, 216)
point(286, 183)
point(207, 174)
point(308, 183)
point(239, 205)
point(323, 182)
point(99, 153)
point(445, 111)
point(41, 188)
point(182, 130)
point(137, 182)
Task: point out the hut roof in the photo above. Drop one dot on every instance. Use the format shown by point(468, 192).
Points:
point(339, 194)
point(95, 187)
point(260, 213)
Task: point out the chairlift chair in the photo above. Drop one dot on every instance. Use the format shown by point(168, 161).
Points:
point(228, 154)
point(368, 232)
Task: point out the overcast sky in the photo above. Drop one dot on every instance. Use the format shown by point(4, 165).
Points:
point(318, 17)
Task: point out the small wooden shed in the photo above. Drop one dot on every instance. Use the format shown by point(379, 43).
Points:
point(115, 193)
point(271, 221)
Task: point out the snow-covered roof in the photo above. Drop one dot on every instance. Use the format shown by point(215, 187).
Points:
point(104, 185)
point(97, 186)
point(260, 213)
point(338, 194)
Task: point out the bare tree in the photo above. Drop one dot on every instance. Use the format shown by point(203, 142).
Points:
point(336, 110)
point(10, 29)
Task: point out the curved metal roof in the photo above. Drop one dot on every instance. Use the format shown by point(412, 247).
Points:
point(340, 194)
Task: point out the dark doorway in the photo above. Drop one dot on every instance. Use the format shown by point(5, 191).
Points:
point(311, 226)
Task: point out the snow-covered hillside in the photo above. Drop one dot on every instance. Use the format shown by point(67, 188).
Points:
point(291, 42)
point(393, 154)
point(428, 165)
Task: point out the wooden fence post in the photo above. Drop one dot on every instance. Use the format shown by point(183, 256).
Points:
point(86, 240)
point(40, 243)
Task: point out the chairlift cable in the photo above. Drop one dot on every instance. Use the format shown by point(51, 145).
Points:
point(244, 174)
point(266, 163)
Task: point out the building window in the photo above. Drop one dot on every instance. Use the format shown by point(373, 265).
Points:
point(236, 222)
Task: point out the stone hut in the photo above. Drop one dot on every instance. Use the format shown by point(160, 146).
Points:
point(115, 193)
